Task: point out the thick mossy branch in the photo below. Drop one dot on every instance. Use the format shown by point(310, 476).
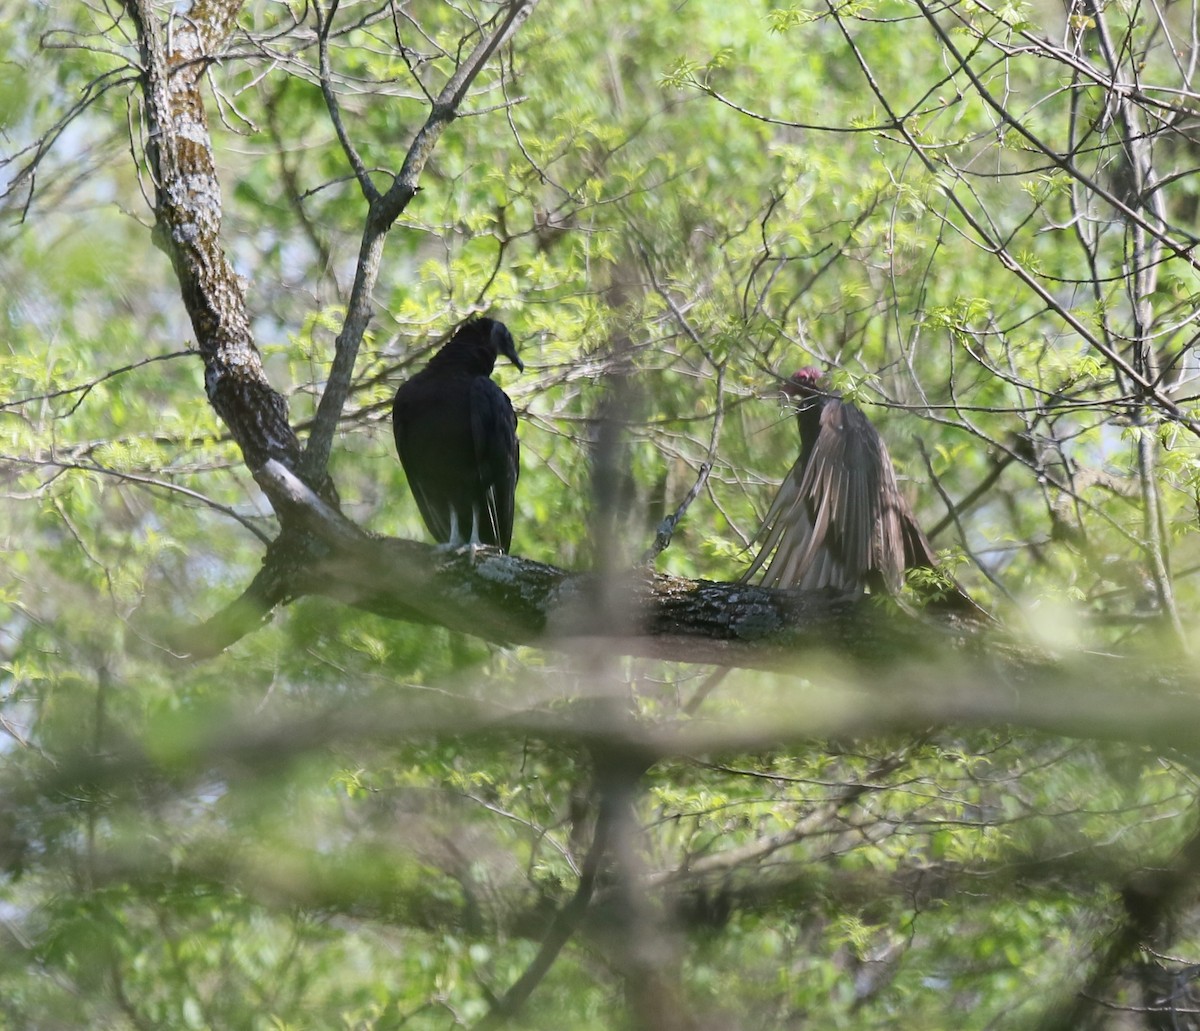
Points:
point(510, 600)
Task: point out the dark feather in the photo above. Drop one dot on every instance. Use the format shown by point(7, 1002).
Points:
point(456, 434)
point(839, 519)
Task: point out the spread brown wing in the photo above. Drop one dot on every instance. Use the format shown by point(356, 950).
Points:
point(830, 524)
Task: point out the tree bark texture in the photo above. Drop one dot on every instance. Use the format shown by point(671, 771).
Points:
point(188, 211)
point(511, 600)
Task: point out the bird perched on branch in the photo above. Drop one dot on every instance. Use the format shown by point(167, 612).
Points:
point(456, 434)
point(839, 520)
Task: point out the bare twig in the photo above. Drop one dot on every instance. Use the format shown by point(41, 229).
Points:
point(666, 529)
point(324, 25)
point(565, 923)
point(381, 215)
point(152, 482)
point(83, 389)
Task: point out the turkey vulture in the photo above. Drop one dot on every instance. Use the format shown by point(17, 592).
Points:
point(456, 435)
point(839, 519)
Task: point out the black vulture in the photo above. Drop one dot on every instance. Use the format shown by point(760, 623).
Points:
point(839, 519)
point(456, 434)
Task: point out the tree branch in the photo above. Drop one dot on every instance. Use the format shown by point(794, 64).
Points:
point(1151, 902)
point(324, 26)
point(566, 921)
point(510, 600)
point(381, 215)
point(188, 210)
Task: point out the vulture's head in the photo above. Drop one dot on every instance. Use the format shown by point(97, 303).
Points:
point(807, 393)
point(804, 384)
point(502, 342)
point(480, 342)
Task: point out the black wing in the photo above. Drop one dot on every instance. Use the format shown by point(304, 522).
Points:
point(497, 457)
point(428, 417)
